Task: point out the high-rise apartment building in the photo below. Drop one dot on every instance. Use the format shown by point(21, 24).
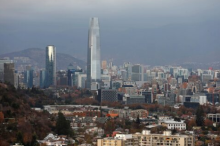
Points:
point(137, 73)
point(104, 64)
point(93, 58)
point(9, 73)
point(128, 68)
point(62, 78)
point(50, 66)
point(2, 61)
point(81, 79)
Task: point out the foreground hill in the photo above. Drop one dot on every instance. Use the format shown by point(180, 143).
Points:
point(37, 58)
point(18, 122)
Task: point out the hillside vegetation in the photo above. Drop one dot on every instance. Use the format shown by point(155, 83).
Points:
point(18, 122)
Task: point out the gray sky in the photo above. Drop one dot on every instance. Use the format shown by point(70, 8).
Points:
point(140, 31)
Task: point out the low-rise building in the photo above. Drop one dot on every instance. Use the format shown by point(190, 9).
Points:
point(126, 112)
point(55, 140)
point(214, 117)
point(134, 99)
point(171, 124)
point(95, 130)
point(110, 141)
point(118, 140)
point(164, 118)
point(140, 112)
point(147, 139)
point(170, 101)
point(86, 121)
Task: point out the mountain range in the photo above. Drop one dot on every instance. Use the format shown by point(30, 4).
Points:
point(37, 58)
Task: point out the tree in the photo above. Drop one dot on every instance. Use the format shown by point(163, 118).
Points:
point(34, 139)
point(174, 131)
point(177, 119)
point(138, 120)
point(19, 137)
point(27, 137)
point(1, 117)
point(190, 123)
point(208, 122)
point(63, 125)
point(199, 116)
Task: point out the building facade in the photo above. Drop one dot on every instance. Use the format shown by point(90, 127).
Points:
point(109, 95)
point(118, 140)
point(137, 73)
point(147, 139)
point(2, 61)
point(50, 66)
point(29, 77)
point(214, 117)
point(104, 64)
point(171, 124)
point(42, 78)
point(9, 73)
point(93, 56)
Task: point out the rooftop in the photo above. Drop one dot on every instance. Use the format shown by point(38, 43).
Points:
point(172, 122)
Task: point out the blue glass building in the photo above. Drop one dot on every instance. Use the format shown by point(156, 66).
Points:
point(50, 66)
point(28, 78)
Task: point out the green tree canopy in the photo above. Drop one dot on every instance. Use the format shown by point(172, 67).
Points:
point(199, 116)
point(63, 125)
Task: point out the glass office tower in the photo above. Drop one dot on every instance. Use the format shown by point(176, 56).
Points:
point(93, 58)
point(50, 66)
point(29, 77)
point(42, 78)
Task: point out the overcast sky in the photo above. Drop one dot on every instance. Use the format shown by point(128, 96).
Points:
point(144, 31)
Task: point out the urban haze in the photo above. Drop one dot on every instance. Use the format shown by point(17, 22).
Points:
point(149, 32)
point(109, 73)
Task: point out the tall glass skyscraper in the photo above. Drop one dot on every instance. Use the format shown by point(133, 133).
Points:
point(93, 58)
point(50, 66)
point(28, 77)
point(42, 78)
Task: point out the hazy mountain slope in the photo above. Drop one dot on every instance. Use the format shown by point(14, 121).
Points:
point(37, 58)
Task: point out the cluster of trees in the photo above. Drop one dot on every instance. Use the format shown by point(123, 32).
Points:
point(63, 126)
point(1, 117)
point(200, 116)
point(112, 124)
point(201, 120)
point(86, 101)
point(18, 123)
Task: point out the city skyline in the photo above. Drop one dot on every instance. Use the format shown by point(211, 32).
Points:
point(167, 30)
point(109, 72)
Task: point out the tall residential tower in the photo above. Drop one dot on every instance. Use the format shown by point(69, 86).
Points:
point(50, 66)
point(93, 58)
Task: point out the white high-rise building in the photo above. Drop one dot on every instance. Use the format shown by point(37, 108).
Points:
point(93, 58)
